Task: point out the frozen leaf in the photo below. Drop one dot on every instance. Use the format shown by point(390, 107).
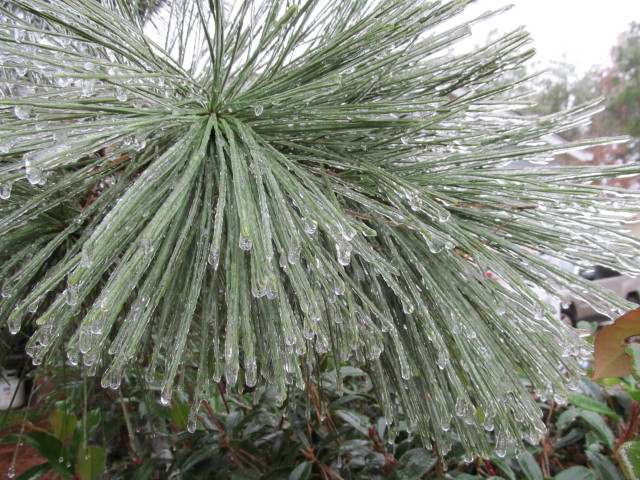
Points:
point(629, 456)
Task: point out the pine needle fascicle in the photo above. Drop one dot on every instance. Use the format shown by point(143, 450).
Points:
point(246, 187)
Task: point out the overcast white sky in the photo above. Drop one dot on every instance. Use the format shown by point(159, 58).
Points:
point(583, 30)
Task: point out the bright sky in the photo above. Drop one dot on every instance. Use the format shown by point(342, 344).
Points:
point(583, 30)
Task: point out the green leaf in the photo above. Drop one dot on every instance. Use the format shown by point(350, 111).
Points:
point(633, 350)
point(414, 464)
point(91, 462)
point(34, 472)
point(62, 424)
point(9, 439)
point(302, 471)
point(52, 450)
point(566, 417)
point(504, 466)
point(604, 466)
point(180, 415)
point(147, 469)
point(530, 467)
point(629, 456)
point(355, 419)
point(592, 405)
point(276, 474)
point(599, 426)
point(243, 474)
point(576, 473)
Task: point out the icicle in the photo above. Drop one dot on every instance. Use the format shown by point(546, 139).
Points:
point(192, 420)
point(14, 323)
point(344, 253)
point(113, 376)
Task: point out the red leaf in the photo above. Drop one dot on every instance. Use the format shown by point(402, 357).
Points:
point(610, 357)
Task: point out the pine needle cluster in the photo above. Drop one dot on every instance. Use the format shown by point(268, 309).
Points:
point(245, 188)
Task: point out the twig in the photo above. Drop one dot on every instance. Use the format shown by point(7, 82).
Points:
point(628, 430)
point(325, 470)
point(224, 439)
point(489, 467)
point(439, 464)
point(222, 392)
point(378, 446)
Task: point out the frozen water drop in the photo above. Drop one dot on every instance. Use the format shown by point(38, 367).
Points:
point(121, 94)
point(105, 305)
point(443, 360)
point(62, 81)
point(487, 424)
point(192, 423)
point(407, 307)
point(258, 109)
point(415, 202)
point(72, 295)
point(436, 245)
point(5, 190)
point(6, 144)
point(214, 257)
point(445, 423)
point(18, 34)
point(147, 246)
point(34, 174)
point(86, 258)
point(294, 254)
point(443, 215)
point(231, 375)
point(88, 86)
point(23, 112)
point(310, 226)
point(14, 324)
point(245, 242)
point(344, 253)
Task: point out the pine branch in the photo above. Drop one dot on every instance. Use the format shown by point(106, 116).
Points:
point(240, 186)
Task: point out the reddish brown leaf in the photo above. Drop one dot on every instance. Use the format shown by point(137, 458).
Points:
point(610, 357)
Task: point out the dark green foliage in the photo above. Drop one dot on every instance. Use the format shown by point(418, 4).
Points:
point(321, 435)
